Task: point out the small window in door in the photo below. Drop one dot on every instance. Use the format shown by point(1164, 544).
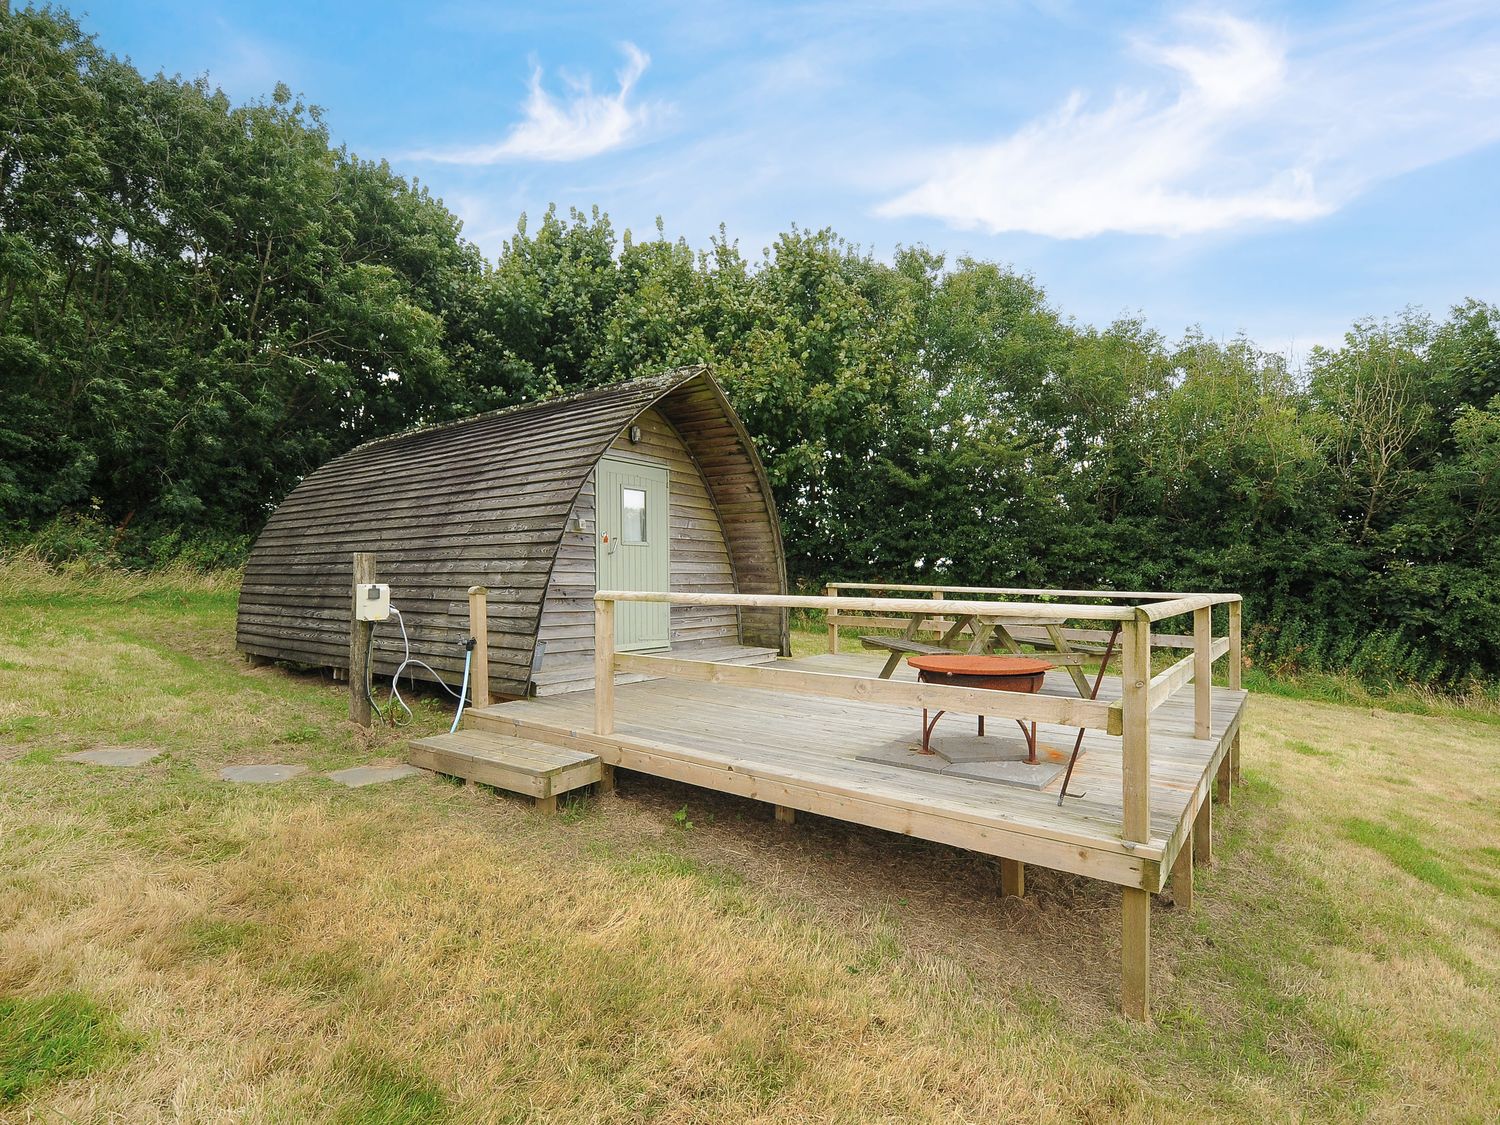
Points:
point(632, 515)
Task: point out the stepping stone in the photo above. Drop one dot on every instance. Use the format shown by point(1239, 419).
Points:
point(356, 776)
point(114, 756)
point(260, 774)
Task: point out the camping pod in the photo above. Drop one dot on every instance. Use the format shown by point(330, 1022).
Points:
point(652, 484)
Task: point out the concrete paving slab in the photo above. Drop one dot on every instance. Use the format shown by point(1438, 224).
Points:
point(356, 776)
point(115, 756)
point(1004, 764)
point(260, 775)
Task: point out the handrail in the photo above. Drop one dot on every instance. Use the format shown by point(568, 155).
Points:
point(1165, 683)
point(916, 586)
point(1162, 606)
point(1130, 717)
point(1032, 707)
point(895, 605)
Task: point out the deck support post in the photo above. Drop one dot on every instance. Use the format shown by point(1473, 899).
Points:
point(1012, 878)
point(1221, 781)
point(1203, 833)
point(604, 666)
point(479, 629)
point(832, 591)
point(1182, 875)
point(359, 641)
point(547, 806)
point(1135, 652)
point(1203, 672)
point(1135, 750)
point(1234, 758)
point(1135, 953)
point(606, 778)
point(785, 815)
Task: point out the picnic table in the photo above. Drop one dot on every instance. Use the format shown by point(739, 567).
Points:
point(988, 632)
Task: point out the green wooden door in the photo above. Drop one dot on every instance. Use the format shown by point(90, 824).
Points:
point(634, 548)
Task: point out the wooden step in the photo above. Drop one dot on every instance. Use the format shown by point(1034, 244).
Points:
point(503, 722)
point(518, 765)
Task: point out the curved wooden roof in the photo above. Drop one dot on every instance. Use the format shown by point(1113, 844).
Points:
point(485, 502)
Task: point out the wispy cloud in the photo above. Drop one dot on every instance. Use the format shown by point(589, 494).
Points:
point(578, 125)
point(1254, 129)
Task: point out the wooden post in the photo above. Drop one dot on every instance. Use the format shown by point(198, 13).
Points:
point(1182, 875)
point(1236, 662)
point(479, 629)
point(832, 591)
point(604, 667)
point(1135, 656)
point(1236, 659)
point(1012, 878)
point(1203, 672)
point(785, 815)
point(1203, 833)
point(606, 779)
point(359, 641)
point(1135, 907)
point(1221, 782)
point(1135, 953)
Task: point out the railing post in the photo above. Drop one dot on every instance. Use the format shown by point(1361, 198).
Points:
point(1235, 661)
point(1135, 658)
point(604, 665)
point(479, 629)
point(832, 591)
point(1135, 906)
point(1203, 672)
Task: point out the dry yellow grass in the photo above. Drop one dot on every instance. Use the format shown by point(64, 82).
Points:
point(422, 951)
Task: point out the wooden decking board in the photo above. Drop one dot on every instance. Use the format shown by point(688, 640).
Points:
point(811, 743)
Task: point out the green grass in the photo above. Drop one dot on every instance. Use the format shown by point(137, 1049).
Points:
point(50, 1039)
point(386, 1094)
point(424, 951)
point(1406, 851)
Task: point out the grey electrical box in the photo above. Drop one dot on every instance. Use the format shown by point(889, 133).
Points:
point(372, 601)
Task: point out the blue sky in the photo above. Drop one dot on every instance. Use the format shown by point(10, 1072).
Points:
point(1277, 169)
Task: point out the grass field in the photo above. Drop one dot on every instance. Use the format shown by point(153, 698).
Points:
point(177, 948)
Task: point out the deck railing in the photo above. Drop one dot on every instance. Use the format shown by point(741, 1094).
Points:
point(843, 617)
point(1129, 717)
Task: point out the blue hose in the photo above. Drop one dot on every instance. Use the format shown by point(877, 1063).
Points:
point(463, 692)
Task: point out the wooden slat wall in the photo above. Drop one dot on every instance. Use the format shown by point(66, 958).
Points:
point(480, 502)
point(699, 555)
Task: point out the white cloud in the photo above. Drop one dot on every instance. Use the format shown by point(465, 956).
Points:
point(579, 125)
point(1255, 129)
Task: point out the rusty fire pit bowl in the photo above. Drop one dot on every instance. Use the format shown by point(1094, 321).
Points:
point(997, 673)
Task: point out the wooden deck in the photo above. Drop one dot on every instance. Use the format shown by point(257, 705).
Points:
point(803, 752)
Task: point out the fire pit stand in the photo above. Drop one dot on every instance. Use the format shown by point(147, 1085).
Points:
point(992, 673)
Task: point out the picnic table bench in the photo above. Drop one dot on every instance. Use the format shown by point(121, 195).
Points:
point(986, 631)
